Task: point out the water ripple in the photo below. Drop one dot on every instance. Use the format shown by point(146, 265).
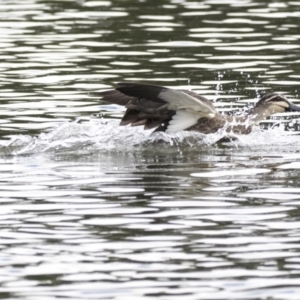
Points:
point(90, 210)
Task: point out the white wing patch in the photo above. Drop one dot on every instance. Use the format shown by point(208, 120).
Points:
point(181, 121)
point(188, 109)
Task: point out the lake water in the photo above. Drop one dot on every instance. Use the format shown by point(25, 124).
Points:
point(90, 210)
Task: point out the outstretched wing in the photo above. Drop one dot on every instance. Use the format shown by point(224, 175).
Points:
point(156, 106)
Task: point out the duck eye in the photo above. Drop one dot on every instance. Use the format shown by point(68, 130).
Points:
point(276, 99)
point(273, 98)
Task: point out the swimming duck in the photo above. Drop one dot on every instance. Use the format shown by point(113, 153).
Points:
point(173, 110)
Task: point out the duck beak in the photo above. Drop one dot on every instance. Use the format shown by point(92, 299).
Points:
point(293, 107)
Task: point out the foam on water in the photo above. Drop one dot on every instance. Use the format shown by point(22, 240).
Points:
point(98, 135)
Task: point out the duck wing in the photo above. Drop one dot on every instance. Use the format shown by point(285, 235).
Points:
point(157, 106)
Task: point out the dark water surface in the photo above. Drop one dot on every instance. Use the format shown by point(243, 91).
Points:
point(90, 210)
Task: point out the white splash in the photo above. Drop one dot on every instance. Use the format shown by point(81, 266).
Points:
point(97, 135)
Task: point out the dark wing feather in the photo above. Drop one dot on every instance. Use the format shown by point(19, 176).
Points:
point(140, 90)
point(115, 97)
point(144, 107)
point(154, 106)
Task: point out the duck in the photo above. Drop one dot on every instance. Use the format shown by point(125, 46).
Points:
point(172, 110)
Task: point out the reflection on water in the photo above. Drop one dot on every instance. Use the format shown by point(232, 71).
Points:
point(90, 210)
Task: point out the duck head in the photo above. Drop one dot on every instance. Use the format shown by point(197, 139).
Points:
point(271, 104)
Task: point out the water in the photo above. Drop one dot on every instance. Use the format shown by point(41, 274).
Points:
point(90, 210)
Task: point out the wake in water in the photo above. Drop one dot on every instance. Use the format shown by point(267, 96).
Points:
point(97, 135)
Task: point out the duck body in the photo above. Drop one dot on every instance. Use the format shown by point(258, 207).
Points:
point(237, 125)
point(171, 110)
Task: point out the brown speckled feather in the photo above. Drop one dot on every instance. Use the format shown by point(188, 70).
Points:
point(212, 125)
